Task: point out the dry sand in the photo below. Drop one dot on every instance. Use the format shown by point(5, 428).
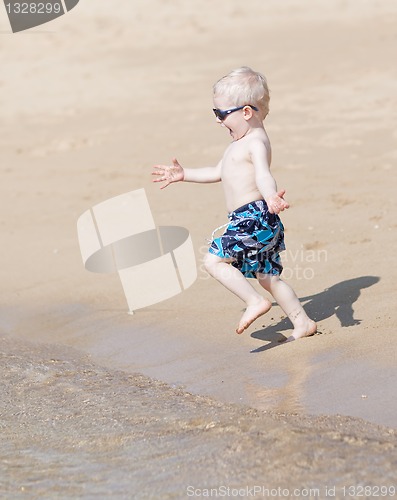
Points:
point(92, 100)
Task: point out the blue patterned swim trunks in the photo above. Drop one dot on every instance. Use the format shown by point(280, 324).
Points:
point(254, 238)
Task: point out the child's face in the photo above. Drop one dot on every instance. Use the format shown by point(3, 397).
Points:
point(236, 122)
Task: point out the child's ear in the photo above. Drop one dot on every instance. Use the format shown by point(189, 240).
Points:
point(247, 113)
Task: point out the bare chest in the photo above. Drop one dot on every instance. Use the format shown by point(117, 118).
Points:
point(236, 162)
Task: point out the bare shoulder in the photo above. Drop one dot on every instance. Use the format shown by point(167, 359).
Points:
point(259, 146)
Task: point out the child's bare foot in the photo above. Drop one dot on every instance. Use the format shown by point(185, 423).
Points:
point(252, 313)
point(307, 329)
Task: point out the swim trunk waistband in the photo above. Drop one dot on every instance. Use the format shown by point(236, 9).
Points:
point(257, 204)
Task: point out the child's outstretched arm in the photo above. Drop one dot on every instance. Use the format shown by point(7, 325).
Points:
point(176, 173)
point(265, 181)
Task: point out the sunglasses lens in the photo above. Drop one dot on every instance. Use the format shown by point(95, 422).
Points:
point(219, 114)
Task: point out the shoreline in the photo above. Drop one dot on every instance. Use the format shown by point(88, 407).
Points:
point(260, 377)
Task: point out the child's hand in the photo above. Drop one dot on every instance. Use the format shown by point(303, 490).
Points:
point(168, 175)
point(276, 202)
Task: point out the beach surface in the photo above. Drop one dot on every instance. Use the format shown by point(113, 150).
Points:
point(90, 102)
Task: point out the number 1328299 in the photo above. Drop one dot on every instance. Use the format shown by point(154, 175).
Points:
point(34, 8)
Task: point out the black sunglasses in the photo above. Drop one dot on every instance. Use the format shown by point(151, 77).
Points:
point(222, 114)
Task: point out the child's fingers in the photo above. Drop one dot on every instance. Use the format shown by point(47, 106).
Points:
point(162, 180)
point(284, 203)
point(158, 168)
point(281, 193)
point(281, 202)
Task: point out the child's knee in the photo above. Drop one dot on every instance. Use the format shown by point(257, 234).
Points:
point(208, 262)
point(211, 262)
point(267, 280)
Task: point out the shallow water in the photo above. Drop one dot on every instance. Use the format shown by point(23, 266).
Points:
point(72, 429)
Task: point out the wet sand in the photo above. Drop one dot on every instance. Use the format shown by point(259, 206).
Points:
point(89, 103)
point(71, 429)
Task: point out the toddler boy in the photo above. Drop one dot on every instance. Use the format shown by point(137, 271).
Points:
point(254, 237)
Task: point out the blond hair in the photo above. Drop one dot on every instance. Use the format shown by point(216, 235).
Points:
point(245, 86)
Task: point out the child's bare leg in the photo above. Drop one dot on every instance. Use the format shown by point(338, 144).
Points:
point(234, 280)
point(289, 303)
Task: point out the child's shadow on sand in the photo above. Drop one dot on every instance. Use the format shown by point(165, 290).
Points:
point(338, 300)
